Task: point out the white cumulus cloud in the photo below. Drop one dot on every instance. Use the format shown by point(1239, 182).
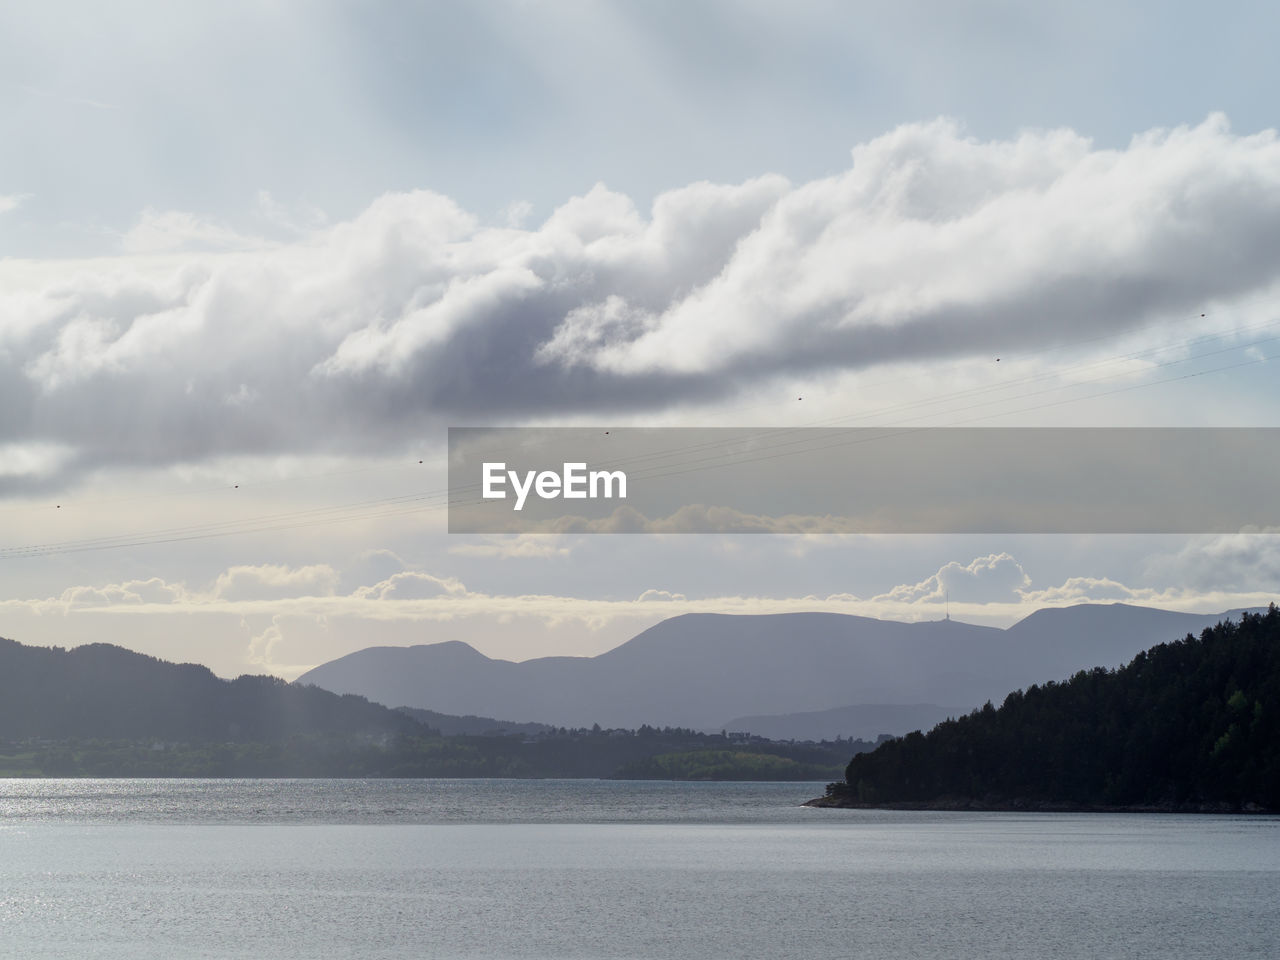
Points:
point(995, 578)
point(412, 585)
point(197, 342)
point(272, 581)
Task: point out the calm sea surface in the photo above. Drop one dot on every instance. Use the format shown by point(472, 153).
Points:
point(577, 869)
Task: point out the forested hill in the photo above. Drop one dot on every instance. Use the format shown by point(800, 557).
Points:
point(1193, 724)
point(106, 692)
point(103, 711)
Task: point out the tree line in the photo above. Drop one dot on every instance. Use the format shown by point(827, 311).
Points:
point(1189, 724)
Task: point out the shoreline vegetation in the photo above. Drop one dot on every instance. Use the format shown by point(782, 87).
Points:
point(1191, 726)
point(1021, 805)
point(102, 711)
point(575, 755)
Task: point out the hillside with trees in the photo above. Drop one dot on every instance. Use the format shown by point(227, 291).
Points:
point(102, 711)
point(1188, 725)
point(106, 692)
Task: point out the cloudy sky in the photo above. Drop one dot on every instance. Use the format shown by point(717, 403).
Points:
point(256, 258)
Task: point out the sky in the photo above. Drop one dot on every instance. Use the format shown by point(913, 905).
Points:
point(257, 258)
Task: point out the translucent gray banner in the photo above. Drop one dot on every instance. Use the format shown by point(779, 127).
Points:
point(865, 480)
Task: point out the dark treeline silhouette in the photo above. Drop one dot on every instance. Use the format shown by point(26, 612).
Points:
point(1193, 724)
point(452, 726)
point(624, 754)
point(736, 763)
point(617, 754)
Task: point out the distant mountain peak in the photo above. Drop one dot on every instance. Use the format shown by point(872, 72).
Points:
point(695, 669)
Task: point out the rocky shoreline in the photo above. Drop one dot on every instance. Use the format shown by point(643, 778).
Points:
point(1022, 805)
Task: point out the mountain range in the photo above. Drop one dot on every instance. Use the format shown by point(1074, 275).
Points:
point(766, 672)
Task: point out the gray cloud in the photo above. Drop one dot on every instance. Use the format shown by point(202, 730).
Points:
point(1236, 561)
point(370, 334)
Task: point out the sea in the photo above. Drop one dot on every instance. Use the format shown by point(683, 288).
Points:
point(268, 869)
